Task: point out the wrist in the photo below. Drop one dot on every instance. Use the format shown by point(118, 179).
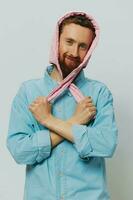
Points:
point(72, 121)
point(47, 120)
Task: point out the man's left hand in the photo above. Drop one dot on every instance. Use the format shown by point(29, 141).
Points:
point(41, 109)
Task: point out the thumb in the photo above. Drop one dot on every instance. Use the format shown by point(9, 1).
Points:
point(45, 99)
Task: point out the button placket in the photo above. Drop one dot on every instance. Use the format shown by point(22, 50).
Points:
point(62, 152)
point(62, 197)
point(59, 108)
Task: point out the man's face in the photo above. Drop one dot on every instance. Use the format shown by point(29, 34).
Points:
point(74, 43)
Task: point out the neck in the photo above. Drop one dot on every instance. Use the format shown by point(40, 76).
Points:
point(56, 75)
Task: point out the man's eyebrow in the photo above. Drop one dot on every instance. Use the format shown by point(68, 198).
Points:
point(70, 39)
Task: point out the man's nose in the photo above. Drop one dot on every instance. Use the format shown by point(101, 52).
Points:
point(75, 51)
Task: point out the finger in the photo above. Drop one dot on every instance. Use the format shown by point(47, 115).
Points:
point(85, 100)
point(89, 104)
point(33, 105)
point(31, 108)
point(45, 100)
point(93, 115)
point(93, 109)
point(50, 103)
point(35, 102)
point(88, 99)
point(40, 99)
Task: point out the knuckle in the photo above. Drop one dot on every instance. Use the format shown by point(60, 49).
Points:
point(88, 110)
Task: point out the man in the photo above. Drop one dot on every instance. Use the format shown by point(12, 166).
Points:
point(62, 126)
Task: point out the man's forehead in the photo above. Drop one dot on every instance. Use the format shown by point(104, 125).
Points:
point(75, 28)
point(76, 32)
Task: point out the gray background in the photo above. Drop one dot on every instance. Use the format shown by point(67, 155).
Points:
point(26, 29)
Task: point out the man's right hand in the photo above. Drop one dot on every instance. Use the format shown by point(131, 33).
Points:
point(85, 111)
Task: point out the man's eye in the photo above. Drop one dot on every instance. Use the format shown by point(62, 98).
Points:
point(83, 46)
point(69, 42)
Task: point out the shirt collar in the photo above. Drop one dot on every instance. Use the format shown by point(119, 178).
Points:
point(78, 81)
point(51, 82)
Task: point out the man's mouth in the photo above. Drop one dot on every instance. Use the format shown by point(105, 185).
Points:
point(72, 59)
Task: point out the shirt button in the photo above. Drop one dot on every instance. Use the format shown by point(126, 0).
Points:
point(59, 109)
point(60, 174)
point(62, 197)
point(62, 152)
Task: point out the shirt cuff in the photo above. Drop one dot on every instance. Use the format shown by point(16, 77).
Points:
point(43, 142)
point(81, 140)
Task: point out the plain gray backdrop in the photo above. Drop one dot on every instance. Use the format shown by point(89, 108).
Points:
point(26, 29)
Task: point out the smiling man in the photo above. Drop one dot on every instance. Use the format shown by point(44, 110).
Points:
point(74, 43)
point(62, 126)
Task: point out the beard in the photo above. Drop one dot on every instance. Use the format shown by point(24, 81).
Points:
point(68, 63)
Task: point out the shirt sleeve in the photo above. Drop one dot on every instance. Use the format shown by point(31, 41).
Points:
point(99, 139)
point(26, 145)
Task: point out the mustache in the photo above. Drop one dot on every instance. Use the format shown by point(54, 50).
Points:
point(76, 59)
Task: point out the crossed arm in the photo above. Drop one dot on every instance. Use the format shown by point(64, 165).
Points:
point(59, 129)
point(99, 140)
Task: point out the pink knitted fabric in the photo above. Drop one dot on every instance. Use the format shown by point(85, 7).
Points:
point(67, 82)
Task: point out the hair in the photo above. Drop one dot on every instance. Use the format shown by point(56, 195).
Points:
point(81, 20)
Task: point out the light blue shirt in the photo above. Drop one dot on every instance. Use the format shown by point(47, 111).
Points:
point(70, 171)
